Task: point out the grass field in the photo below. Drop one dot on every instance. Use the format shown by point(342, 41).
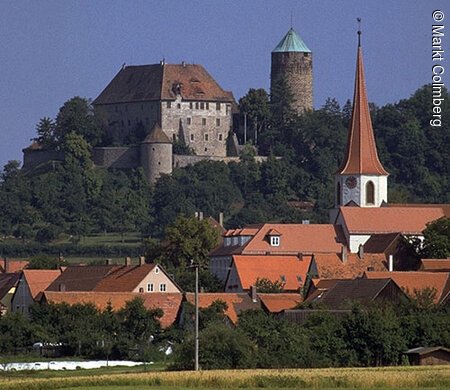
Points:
point(437, 377)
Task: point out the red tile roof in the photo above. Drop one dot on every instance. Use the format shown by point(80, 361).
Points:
point(435, 265)
point(330, 265)
point(276, 303)
point(275, 268)
point(406, 220)
point(361, 154)
point(236, 302)
point(13, 265)
point(39, 279)
point(159, 82)
point(414, 281)
point(168, 302)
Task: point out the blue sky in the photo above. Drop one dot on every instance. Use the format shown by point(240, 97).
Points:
point(54, 50)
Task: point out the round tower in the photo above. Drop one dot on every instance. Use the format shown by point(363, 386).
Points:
point(156, 154)
point(292, 60)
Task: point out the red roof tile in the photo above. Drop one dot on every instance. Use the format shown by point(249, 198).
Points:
point(168, 302)
point(13, 265)
point(435, 265)
point(414, 281)
point(276, 303)
point(406, 220)
point(361, 155)
point(275, 268)
point(236, 302)
point(39, 279)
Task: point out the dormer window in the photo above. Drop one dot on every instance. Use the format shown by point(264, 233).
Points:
point(274, 240)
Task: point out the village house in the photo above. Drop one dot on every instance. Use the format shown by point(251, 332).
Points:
point(8, 284)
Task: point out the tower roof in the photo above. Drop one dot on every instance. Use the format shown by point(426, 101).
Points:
point(291, 42)
point(361, 155)
point(157, 135)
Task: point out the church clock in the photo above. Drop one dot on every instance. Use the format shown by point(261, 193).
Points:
point(351, 182)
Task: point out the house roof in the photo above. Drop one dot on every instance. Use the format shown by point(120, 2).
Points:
point(162, 82)
point(13, 265)
point(39, 279)
point(236, 302)
point(380, 243)
point(374, 220)
point(291, 42)
point(435, 265)
point(168, 302)
point(7, 281)
point(124, 278)
point(319, 287)
point(291, 270)
point(426, 350)
point(296, 238)
point(361, 155)
point(412, 281)
point(331, 266)
point(157, 136)
point(276, 303)
point(363, 291)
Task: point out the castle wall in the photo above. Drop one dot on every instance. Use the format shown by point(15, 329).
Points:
point(204, 126)
point(183, 161)
point(117, 157)
point(33, 158)
point(296, 67)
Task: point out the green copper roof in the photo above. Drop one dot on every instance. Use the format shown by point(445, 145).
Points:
point(291, 42)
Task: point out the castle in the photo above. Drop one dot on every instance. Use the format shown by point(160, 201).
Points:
point(179, 104)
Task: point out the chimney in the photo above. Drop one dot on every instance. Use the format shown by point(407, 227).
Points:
point(108, 261)
point(200, 216)
point(6, 265)
point(344, 254)
point(141, 260)
point(127, 261)
point(361, 251)
point(253, 294)
point(62, 287)
point(391, 263)
point(221, 218)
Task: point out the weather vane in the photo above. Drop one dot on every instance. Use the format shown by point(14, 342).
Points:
point(359, 31)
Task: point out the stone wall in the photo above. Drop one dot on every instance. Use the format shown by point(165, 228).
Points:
point(296, 68)
point(33, 158)
point(183, 161)
point(117, 157)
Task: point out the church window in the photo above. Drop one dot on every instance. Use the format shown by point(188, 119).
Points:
point(207, 105)
point(338, 194)
point(220, 137)
point(188, 121)
point(218, 106)
point(202, 106)
point(217, 121)
point(192, 137)
point(203, 121)
point(206, 137)
point(370, 193)
point(169, 104)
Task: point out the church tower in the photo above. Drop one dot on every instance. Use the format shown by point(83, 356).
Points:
point(361, 180)
point(292, 60)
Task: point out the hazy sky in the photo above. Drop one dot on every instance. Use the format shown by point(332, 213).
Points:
point(54, 50)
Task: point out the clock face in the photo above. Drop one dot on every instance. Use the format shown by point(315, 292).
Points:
point(351, 182)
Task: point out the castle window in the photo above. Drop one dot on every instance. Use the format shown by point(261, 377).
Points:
point(202, 106)
point(206, 137)
point(179, 105)
point(207, 105)
point(203, 121)
point(370, 193)
point(338, 194)
point(220, 137)
point(206, 149)
point(217, 121)
point(192, 137)
point(174, 137)
point(228, 108)
point(188, 121)
point(196, 105)
point(218, 106)
point(191, 105)
point(169, 104)
point(305, 54)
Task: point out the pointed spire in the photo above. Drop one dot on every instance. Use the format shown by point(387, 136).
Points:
point(157, 135)
point(361, 155)
point(291, 42)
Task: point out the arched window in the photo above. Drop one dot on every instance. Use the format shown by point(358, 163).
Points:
point(338, 194)
point(370, 193)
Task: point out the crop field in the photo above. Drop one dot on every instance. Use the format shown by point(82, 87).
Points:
point(431, 377)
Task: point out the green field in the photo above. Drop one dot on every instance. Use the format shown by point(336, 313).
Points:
point(431, 377)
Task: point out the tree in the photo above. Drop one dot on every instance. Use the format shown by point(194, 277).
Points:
point(264, 285)
point(45, 131)
point(436, 243)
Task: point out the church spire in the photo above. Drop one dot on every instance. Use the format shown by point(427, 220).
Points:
point(361, 154)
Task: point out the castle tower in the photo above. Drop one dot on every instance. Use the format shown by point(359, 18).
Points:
point(292, 60)
point(361, 180)
point(156, 154)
